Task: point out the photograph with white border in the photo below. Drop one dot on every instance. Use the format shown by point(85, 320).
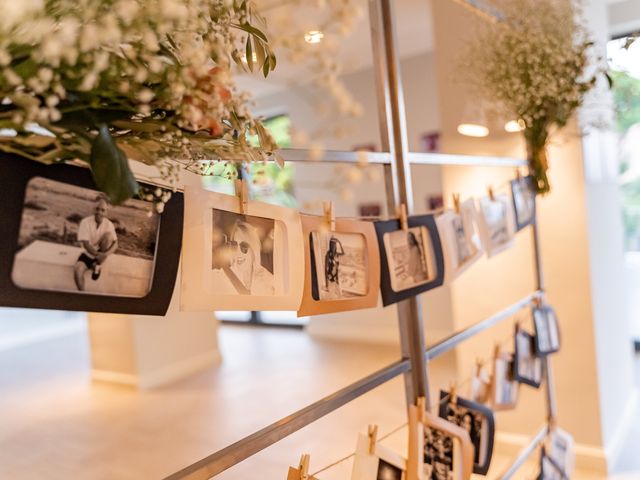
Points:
point(410, 258)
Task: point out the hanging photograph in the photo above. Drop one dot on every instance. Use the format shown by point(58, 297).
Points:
point(411, 260)
point(547, 330)
point(71, 249)
point(504, 392)
point(524, 201)
point(549, 469)
point(377, 462)
point(477, 420)
point(561, 450)
point(460, 240)
point(527, 367)
point(234, 260)
point(342, 266)
point(496, 223)
point(480, 385)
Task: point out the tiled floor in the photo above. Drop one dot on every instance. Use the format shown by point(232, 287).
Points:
point(55, 424)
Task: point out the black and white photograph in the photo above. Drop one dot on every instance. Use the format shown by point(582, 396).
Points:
point(242, 247)
point(547, 330)
point(549, 468)
point(561, 450)
point(378, 463)
point(438, 454)
point(496, 223)
point(341, 267)
point(477, 420)
point(70, 248)
point(524, 201)
point(504, 388)
point(409, 257)
point(480, 385)
point(527, 367)
point(72, 240)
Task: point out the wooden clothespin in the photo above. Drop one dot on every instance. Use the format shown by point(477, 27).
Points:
point(421, 406)
point(302, 472)
point(453, 394)
point(492, 195)
point(242, 192)
point(496, 350)
point(518, 174)
point(402, 216)
point(479, 364)
point(329, 217)
point(372, 432)
point(456, 202)
point(537, 301)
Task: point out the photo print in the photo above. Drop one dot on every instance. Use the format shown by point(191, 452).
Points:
point(524, 201)
point(504, 395)
point(239, 260)
point(547, 330)
point(496, 223)
point(549, 468)
point(381, 464)
point(411, 260)
point(342, 269)
point(561, 450)
point(70, 249)
point(438, 455)
point(480, 385)
point(477, 420)
point(527, 367)
point(460, 240)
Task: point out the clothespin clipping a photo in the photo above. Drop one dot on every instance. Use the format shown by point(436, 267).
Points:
point(402, 216)
point(372, 432)
point(479, 364)
point(329, 217)
point(537, 301)
point(302, 472)
point(518, 174)
point(456, 203)
point(453, 394)
point(492, 195)
point(496, 350)
point(242, 192)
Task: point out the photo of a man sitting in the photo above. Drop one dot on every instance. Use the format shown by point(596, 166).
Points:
point(98, 238)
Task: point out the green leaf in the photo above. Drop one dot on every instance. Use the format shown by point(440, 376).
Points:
point(249, 53)
point(110, 168)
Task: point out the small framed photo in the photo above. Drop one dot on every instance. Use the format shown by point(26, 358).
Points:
point(480, 385)
point(527, 367)
point(68, 248)
point(496, 223)
point(342, 266)
point(524, 201)
point(460, 240)
point(561, 450)
point(235, 260)
point(549, 469)
point(547, 330)
point(377, 463)
point(477, 420)
point(504, 389)
point(411, 260)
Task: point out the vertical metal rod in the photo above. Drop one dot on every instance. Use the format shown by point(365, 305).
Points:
point(394, 136)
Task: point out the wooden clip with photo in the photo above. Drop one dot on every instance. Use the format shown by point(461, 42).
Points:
point(329, 216)
point(479, 365)
point(372, 433)
point(518, 174)
point(242, 192)
point(491, 194)
point(537, 301)
point(402, 217)
point(456, 203)
point(302, 472)
point(453, 394)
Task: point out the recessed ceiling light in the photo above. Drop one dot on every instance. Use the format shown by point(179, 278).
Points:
point(313, 36)
point(473, 130)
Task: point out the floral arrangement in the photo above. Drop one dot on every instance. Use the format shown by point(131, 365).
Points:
point(535, 65)
point(149, 80)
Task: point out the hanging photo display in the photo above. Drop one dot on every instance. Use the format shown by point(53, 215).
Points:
point(460, 241)
point(411, 260)
point(527, 367)
point(376, 462)
point(234, 260)
point(561, 450)
point(496, 223)
point(547, 330)
point(70, 249)
point(342, 266)
point(504, 388)
point(524, 201)
point(477, 420)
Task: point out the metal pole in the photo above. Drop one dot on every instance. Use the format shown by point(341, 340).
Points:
point(394, 138)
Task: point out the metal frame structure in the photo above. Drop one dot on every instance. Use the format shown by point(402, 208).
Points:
point(415, 356)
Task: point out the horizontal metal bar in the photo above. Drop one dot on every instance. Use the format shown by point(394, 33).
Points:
point(416, 158)
point(331, 156)
point(525, 453)
point(459, 337)
point(248, 446)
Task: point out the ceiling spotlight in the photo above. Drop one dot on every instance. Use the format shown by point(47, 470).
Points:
point(473, 130)
point(313, 36)
point(514, 126)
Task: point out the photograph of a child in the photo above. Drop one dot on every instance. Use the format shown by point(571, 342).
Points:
point(438, 454)
point(524, 201)
point(547, 334)
point(527, 366)
point(242, 247)
point(505, 388)
point(341, 265)
point(72, 239)
point(410, 258)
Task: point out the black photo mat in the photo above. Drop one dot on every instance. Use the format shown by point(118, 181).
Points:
point(526, 373)
point(547, 330)
point(523, 186)
point(166, 244)
point(481, 429)
point(390, 296)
